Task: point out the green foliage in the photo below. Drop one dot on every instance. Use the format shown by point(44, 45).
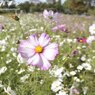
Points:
point(91, 11)
point(30, 24)
point(75, 6)
point(25, 6)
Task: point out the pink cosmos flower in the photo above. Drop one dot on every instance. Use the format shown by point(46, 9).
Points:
point(82, 40)
point(38, 51)
point(60, 28)
point(50, 15)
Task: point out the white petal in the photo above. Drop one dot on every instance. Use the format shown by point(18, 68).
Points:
point(50, 54)
point(26, 52)
point(51, 51)
point(45, 65)
point(35, 60)
point(33, 40)
point(44, 39)
point(26, 43)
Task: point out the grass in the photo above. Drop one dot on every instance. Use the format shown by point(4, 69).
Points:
point(35, 82)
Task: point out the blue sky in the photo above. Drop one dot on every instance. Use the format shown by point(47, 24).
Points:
point(18, 1)
point(27, 0)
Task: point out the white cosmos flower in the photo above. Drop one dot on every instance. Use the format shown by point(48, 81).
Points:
point(79, 67)
point(62, 93)
point(3, 42)
point(89, 60)
point(21, 71)
point(78, 48)
point(85, 89)
point(3, 48)
point(69, 40)
point(58, 72)
point(14, 54)
point(13, 49)
point(3, 70)
point(23, 78)
point(20, 59)
point(42, 81)
point(31, 68)
point(90, 39)
point(61, 43)
point(74, 40)
point(56, 85)
point(86, 66)
point(72, 73)
point(8, 61)
point(83, 58)
point(9, 91)
point(92, 29)
point(83, 46)
point(76, 79)
point(66, 74)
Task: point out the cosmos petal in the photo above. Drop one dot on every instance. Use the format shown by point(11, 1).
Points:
point(26, 44)
point(44, 39)
point(33, 40)
point(51, 51)
point(35, 60)
point(39, 59)
point(45, 65)
point(45, 14)
point(52, 46)
point(26, 52)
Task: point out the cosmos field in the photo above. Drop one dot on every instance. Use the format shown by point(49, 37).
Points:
point(71, 71)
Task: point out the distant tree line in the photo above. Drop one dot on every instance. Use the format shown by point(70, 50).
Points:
point(69, 6)
point(31, 7)
point(79, 6)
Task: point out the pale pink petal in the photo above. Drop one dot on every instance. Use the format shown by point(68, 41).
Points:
point(51, 13)
point(50, 51)
point(45, 14)
point(26, 44)
point(54, 29)
point(59, 27)
point(26, 49)
point(44, 39)
point(50, 54)
point(51, 46)
point(62, 27)
point(26, 52)
point(35, 60)
point(45, 65)
point(56, 16)
point(48, 14)
point(33, 40)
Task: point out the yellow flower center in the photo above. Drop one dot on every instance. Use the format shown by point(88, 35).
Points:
point(38, 49)
point(81, 41)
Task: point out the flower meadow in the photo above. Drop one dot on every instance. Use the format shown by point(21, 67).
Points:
point(47, 54)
